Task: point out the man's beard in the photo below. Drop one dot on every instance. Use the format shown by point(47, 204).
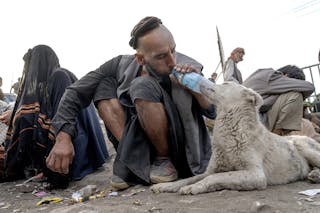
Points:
point(155, 73)
point(163, 78)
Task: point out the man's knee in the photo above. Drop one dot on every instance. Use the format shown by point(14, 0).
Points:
point(145, 88)
point(292, 97)
point(106, 90)
point(291, 102)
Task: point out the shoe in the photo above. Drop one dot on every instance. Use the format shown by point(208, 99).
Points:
point(118, 183)
point(282, 132)
point(162, 170)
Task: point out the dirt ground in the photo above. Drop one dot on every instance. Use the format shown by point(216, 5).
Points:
point(277, 199)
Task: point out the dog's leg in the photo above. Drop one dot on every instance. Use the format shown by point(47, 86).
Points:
point(309, 149)
point(175, 186)
point(235, 180)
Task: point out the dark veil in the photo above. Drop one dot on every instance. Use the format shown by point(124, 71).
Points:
point(29, 135)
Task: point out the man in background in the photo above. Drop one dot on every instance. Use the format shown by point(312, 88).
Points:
point(283, 92)
point(1, 93)
point(231, 71)
point(15, 86)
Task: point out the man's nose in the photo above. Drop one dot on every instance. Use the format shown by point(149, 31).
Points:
point(171, 60)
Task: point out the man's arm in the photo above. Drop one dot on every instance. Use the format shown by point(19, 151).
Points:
point(76, 97)
point(280, 84)
point(79, 95)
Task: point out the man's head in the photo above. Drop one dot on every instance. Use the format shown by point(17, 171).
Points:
point(292, 71)
point(154, 44)
point(237, 54)
point(214, 76)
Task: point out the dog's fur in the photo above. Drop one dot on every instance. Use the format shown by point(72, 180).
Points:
point(245, 155)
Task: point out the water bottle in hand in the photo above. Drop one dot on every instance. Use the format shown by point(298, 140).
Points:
point(192, 80)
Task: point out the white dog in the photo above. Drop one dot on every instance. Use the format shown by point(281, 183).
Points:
point(245, 155)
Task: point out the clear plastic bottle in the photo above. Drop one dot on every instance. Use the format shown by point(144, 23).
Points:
point(192, 80)
point(84, 193)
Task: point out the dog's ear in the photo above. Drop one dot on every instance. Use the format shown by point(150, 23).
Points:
point(253, 97)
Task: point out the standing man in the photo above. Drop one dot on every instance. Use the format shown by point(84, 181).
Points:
point(154, 122)
point(15, 86)
point(231, 71)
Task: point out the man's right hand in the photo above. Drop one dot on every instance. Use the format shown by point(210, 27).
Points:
point(61, 155)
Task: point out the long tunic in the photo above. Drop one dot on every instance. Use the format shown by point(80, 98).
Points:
point(231, 72)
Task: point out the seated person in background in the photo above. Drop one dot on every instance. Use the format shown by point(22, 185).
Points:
point(155, 123)
point(311, 112)
point(1, 93)
point(30, 137)
point(213, 77)
point(231, 71)
point(4, 106)
point(283, 92)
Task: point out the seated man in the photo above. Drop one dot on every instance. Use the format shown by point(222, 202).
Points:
point(155, 123)
point(213, 77)
point(283, 92)
point(30, 137)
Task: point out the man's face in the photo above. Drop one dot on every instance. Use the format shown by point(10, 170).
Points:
point(239, 56)
point(157, 50)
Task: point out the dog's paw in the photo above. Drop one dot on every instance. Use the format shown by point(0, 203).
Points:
point(193, 189)
point(314, 176)
point(164, 187)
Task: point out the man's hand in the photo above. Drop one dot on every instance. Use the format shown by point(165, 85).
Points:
point(62, 154)
point(5, 117)
point(185, 68)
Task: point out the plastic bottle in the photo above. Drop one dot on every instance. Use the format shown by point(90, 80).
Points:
point(84, 193)
point(192, 80)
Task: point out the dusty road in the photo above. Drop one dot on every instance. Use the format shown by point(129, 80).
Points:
point(285, 198)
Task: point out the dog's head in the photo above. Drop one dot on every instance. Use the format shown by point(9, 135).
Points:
point(231, 94)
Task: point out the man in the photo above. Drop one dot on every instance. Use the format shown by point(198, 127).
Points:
point(1, 93)
point(231, 71)
point(155, 123)
point(15, 86)
point(213, 77)
point(283, 92)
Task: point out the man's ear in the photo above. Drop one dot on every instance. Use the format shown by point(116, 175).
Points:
point(139, 58)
